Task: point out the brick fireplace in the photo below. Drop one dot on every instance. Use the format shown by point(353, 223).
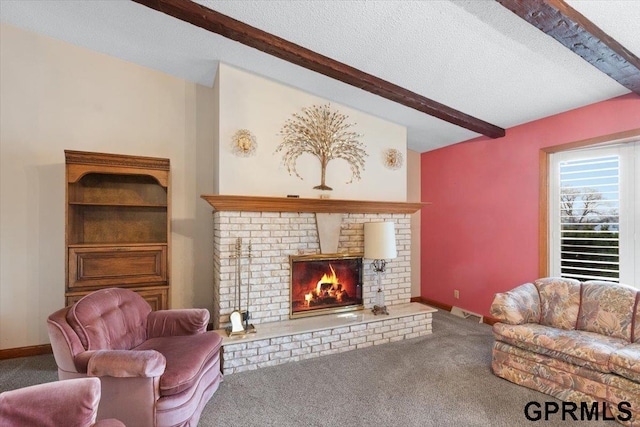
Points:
point(280, 228)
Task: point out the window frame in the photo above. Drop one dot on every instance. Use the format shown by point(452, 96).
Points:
point(544, 230)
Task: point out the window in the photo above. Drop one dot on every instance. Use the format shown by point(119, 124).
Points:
point(594, 213)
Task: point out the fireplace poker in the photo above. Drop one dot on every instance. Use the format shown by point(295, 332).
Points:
point(249, 256)
point(236, 293)
point(237, 316)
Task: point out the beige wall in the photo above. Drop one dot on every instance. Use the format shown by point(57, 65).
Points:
point(55, 96)
point(413, 195)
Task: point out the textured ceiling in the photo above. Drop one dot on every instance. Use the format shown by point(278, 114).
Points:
point(474, 56)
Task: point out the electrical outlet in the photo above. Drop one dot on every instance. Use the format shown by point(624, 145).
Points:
point(456, 293)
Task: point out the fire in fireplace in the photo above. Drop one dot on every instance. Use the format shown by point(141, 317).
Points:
point(322, 284)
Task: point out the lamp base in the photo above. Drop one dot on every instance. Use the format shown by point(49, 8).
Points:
point(379, 310)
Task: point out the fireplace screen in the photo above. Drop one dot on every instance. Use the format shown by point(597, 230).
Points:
point(322, 284)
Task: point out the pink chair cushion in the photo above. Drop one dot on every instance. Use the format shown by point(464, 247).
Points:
point(187, 357)
point(113, 319)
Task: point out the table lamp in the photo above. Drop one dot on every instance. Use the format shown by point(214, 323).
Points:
point(379, 246)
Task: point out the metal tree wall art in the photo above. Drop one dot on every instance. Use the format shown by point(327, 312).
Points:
point(324, 134)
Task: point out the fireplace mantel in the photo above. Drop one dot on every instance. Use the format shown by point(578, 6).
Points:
point(295, 204)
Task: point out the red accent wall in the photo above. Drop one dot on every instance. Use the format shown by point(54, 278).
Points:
point(480, 234)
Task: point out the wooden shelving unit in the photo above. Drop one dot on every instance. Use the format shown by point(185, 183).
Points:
point(117, 225)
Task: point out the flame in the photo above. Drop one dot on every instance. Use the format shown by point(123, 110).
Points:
point(327, 286)
point(333, 279)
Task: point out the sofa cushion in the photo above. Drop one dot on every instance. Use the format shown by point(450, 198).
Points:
point(607, 309)
point(559, 301)
point(636, 332)
point(517, 306)
point(626, 362)
point(187, 357)
point(112, 319)
point(580, 348)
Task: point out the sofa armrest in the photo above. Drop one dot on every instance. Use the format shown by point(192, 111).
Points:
point(164, 323)
point(126, 363)
point(519, 305)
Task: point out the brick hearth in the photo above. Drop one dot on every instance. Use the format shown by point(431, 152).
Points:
point(293, 340)
point(274, 236)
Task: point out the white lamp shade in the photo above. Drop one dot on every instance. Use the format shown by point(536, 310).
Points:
point(379, 240)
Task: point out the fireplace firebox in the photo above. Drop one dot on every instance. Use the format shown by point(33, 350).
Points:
point(322, 284)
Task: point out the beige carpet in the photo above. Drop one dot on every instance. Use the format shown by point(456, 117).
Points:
point(440, 380)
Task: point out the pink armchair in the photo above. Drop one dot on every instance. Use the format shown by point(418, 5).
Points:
point(61, 403)
point(157, 368)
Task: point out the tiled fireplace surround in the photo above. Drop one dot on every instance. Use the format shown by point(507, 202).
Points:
point(274, 236)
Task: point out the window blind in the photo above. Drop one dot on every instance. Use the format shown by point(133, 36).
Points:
point(589, 207)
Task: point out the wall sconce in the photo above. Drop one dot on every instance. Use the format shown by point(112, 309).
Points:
point(243, 143)
point(379, 245)
point(392, 158)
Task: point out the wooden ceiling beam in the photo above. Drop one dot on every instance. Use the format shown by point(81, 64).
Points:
point(233, 29)
point(565, 24)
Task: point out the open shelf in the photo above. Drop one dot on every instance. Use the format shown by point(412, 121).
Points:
point(132, 205)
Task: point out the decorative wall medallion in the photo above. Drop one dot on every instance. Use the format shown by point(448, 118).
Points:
point(243, 143)
point(392, 158)
point(324, 134)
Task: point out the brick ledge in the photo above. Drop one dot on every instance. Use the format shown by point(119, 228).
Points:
point(319, 323)
point(408, 322)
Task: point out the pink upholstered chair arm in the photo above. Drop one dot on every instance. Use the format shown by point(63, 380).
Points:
point(64, 342)
point(164, 323)
point(61, 403)
point(126, 363)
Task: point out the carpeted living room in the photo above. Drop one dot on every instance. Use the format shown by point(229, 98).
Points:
point(319, 213)
point(443, 379)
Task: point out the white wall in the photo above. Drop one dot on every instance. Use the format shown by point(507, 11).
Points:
point(261, 105)
point(55, 96)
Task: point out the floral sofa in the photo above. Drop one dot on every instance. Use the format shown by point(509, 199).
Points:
point(579, 342)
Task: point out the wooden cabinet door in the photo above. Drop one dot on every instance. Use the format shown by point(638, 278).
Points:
point(157, 297)
point(102, 266)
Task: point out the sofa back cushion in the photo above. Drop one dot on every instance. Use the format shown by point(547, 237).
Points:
point(607, 309)
point(110, 319)
point(559, 302)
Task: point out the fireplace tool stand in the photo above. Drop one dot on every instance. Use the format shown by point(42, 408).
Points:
point(240, 319)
